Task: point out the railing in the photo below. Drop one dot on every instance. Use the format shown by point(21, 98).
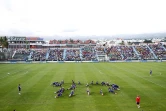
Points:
point(152, 52)
point(64, 54)
point(14, 54)
point(163, 47)
point(135, 50)
point(47, 54)
point(80, 53)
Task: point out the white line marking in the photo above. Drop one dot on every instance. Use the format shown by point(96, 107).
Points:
point(97, 69)
point(12, 74)
point(149, 81)
point(101, 72)
point(152, 75)
point(146, 79)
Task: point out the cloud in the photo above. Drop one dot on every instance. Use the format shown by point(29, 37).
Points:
point(81, 17)
point(70, 30)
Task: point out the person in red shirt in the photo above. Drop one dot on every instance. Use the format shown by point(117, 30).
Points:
point(138, 101)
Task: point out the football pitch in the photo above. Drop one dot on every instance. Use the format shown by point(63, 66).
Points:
point(38, 95)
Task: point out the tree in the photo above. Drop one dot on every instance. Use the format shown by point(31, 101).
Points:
point(60, 41)
point(27, 44)
point(71, 40)
point(147, 41)
point(129, 43)
point(1, 40)
point(122, 43)
point(66, 41)
point(4, 42)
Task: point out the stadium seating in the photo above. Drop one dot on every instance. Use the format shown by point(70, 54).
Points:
point(159, 50)
point(144, 52)
point(88, 53)
point(128, 53)
point(72, 55)
point(21, 54)
point(114, 53)
point(39, 55)
point(56, 55)
point(2, 56)
point(91, 53)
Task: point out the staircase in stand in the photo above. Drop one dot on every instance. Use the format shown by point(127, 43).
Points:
point(152, 52)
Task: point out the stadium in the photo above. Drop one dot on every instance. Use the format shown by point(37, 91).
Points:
point(36, 49)
point(79, 75)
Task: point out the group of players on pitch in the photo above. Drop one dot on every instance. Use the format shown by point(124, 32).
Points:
point(111, 88)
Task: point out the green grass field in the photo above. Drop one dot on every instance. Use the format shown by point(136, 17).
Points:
point(38, 94)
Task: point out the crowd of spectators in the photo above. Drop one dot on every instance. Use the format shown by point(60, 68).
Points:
point(114, 53)
point(144, 52)
point(159, 50)
point(38, 55)
point(72, 55)
point(100, 50)
point(164, 46)
point(21, 54)
point(88, 53)
point(56, 55)
point(128, 52)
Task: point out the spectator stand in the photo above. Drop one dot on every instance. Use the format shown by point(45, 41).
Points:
point(100, 53)
point(128, 53)
point(144, 52)
point(88, 53)
point(158, 50)
point(135, 51)
point(113, 53)
point(21, 54)
point(152, 52)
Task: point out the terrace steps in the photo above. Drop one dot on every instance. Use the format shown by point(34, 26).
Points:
point(152, 52)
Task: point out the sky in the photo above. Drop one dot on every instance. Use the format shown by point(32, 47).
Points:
point(69, 18)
